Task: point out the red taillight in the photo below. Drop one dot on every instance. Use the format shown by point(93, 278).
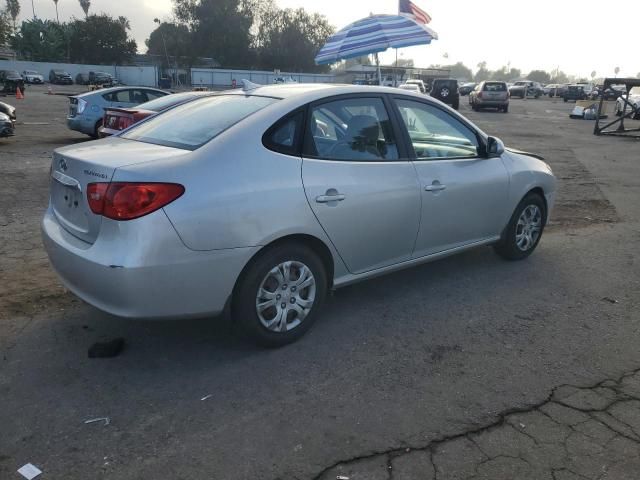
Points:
point(95, 196)
point(126, 201)
point(124, 122)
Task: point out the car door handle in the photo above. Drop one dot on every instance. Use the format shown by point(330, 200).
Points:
point(436, 187)
point(330, 198)
point(336, 197)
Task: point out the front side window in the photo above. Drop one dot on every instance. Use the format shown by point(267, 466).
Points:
point(435, 134)
point(191, 125)
point(356, 129)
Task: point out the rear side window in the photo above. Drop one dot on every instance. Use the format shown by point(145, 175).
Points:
point(284, 136)
point(193, 124)
point(495, 87)
point(119, 96)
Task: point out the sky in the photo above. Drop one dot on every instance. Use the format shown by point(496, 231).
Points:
point(569, 34)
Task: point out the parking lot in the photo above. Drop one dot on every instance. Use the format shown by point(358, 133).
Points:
point(399, 364)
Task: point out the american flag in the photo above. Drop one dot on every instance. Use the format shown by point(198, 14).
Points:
point(408, 8)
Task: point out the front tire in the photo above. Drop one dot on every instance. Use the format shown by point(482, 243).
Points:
point(524, 231)
point(279, 294)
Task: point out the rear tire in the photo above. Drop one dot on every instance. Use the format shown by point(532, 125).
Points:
point(524, 231)
point(505, 109)
point(96, 130)
point(263, 289)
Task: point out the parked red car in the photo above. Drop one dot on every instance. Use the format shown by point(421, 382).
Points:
point(117, 119)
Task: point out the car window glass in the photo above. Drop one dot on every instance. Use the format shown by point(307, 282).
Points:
point(282, 137)
point(436, 134)
point(495, 87)
point(191, 125)
point(356, 129)
point(152, 94)
point(121, 96)
point(139, 96)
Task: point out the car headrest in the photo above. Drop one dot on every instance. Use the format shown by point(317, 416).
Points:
point(363, 128)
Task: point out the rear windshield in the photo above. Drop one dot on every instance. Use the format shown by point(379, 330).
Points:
point(495, 87)
point(193, 124)
point(162, 103)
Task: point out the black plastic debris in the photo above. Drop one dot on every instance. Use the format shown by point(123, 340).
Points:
point(109, 349)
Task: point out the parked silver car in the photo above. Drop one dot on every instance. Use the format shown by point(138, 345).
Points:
point(86, 111)
point(490, 94)
point(264, 199)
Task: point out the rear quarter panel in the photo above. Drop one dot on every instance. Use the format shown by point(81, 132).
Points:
point(237, 192)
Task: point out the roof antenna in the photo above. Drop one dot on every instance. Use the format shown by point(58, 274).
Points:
point(248, 85)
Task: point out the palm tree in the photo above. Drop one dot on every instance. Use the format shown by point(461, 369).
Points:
point(85, 4)
point(57, 17)
point(13, 7)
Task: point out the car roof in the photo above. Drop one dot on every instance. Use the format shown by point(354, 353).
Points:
point(300, 94)
point(310, 90)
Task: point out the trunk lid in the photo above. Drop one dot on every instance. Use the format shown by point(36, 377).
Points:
point(73, 168)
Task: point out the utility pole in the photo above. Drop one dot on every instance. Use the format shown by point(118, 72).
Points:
point(34, 9)
point(166, 53)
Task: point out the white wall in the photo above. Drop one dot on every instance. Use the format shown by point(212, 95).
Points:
point(220, 77)
point(144, 76)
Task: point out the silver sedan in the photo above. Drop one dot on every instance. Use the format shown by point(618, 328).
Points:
point(263, 199)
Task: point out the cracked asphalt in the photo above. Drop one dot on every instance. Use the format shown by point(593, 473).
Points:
point(466, 368)
point(576, 433)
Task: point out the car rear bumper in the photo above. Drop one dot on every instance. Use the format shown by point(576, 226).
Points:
point(492, 103)
point(6, 129)
point(82, 124)
point(141, 269)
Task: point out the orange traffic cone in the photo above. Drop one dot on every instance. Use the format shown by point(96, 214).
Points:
point(19, 95)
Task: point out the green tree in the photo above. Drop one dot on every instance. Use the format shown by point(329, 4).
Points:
point(539, 76)
point(220, 28)
point(5, 27)
point(290, 39)
point(13, 9)
point(482, 73)
point(559, 77)
point(85, 4)
point(459, 70)
point(40, 40)
point(178, 40)
point(101, 39)
point(506, 74)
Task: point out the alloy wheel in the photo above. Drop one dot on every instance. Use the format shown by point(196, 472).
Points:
point(528, 228)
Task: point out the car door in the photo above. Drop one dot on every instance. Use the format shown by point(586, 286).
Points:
point(360, 185)
point(464, 194)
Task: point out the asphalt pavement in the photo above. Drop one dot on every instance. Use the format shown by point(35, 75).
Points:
point(470, 367)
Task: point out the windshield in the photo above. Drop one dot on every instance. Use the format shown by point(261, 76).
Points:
point(193, 124)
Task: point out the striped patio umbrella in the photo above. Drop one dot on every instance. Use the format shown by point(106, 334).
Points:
point(374, 34)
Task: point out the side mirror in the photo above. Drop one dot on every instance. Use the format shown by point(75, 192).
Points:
point(495, 147)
